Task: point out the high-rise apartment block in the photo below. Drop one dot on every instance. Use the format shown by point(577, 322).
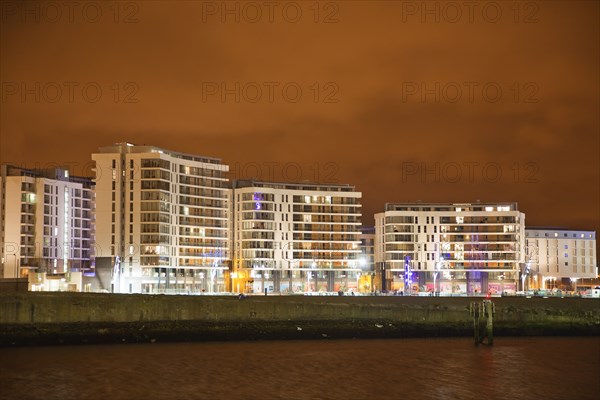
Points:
point(291, 238)
point(450, 248)
point(162, 220)
point(46, 227)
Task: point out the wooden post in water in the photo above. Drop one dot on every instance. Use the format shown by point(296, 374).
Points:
point(484, 310)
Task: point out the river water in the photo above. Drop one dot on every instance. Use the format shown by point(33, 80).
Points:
point(514, 368)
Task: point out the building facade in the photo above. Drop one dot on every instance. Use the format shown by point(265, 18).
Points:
point(560, 258)
point(46, 227)
point(292, 238)
point(162, 220)
point(450, 248)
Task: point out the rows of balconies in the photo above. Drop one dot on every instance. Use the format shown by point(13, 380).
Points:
point(474, 247)
point(258, 216)
point(217, 252)
point(196, 232)
point(155, 185)
point(154, 173)
point(480, 219)
point(255, 206)
point(155, 206)
point(449, 257)
point(258, 235)
point(326, 256)
point(199, 202)
point(326, 200)
point(214, 222)
point(156, 217)
point(208, 242)
point(202, 212)
point(202, 172)
point(326, 209)
point(155, 239)
point(205, 182)
point(203, 192)
point(323, 227)
point(155, 163)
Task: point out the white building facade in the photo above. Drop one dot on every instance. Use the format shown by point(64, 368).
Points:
point(292, 238)
point(450, 248)
point(559, 258)
point(46, 227)
point(162, 220)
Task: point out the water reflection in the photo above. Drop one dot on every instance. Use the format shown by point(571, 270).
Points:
point(514, 368)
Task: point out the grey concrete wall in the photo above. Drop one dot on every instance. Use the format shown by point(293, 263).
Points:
point(82, 314)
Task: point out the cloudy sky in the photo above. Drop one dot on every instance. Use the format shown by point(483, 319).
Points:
point(430, 101)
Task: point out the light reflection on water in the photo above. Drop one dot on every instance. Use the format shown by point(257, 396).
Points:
point(514, 368)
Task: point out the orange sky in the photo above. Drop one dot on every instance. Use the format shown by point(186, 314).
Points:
point(497, 103)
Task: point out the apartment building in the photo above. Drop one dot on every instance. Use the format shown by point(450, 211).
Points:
point(46, 227)
point(295, 237)
point(450, 248)
point(162, 220)
point(559, 258)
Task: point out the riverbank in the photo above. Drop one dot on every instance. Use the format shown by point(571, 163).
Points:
point(74, 318)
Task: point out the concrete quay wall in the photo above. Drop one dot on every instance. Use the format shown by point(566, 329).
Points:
point(53, 318)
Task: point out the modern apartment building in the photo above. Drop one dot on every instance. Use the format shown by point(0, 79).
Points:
point(162, 220)
point(46, 227)
point(559, 258)
point(295, 237)
point(450, 248)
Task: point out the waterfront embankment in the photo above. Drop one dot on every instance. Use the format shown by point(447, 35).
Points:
point(72, 318)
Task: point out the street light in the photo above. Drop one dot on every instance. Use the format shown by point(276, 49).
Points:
point(524, 275)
